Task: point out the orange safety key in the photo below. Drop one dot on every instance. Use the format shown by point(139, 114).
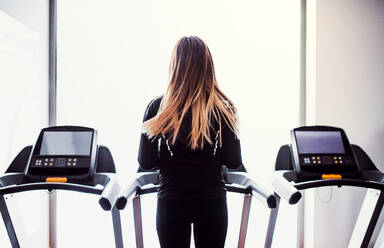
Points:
point(56, 180)
point(331, 176)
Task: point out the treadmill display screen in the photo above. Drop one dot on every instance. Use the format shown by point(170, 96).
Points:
point(66, 143)
point(320, 142)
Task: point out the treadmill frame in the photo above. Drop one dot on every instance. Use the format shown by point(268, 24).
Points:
point(15, 182)
point(371, 178)
point(247, 186)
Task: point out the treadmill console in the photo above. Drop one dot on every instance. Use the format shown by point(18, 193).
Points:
point(65, 151)
point(323, 150)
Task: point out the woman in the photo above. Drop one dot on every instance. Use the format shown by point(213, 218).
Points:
point(189, 134)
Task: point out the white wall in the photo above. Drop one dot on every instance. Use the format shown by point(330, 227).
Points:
point(349, 84)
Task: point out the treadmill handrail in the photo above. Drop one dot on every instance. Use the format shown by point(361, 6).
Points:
point(131, 189)
point(370, 180)
point(264, 195)
point(13, 183)
point(111, 190)
point(285, 188)
point(339, 182)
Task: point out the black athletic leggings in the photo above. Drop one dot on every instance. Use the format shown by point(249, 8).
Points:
point(175, 216)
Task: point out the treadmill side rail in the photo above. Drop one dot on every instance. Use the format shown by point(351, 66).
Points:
point(15, 182)
point(110, 192)
point(130, 190)
point(285, 189)
point(264, 195)
point(8, 223)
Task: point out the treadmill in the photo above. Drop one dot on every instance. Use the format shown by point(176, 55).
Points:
point(321, 156)
point(63, 158)
point(147, 181)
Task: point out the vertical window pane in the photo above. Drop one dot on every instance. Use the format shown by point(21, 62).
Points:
point(24, 107)
point(113, 59)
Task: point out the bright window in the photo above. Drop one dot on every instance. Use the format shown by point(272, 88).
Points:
point(113, 58)
point(23, 108)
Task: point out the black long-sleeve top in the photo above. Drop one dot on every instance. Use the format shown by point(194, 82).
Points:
point(186, 173)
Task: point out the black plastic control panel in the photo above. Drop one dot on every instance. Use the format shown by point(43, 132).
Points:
point(65, 151)
point(45, 162)
point(322, 149)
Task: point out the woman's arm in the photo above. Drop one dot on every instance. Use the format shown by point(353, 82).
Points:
point(148, 153)
point(230, 150)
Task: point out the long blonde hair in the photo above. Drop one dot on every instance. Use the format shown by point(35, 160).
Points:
point(192, 85)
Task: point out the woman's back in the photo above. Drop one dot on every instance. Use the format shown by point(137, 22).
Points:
point(186, 172)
